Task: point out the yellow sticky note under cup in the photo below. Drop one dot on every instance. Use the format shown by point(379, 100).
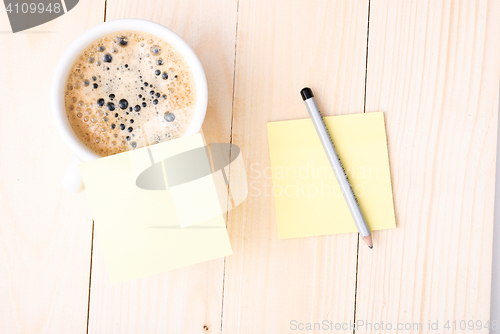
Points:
point(307, 197)
point(138, 229)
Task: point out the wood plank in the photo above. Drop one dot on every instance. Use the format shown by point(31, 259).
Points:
point(187, 300)
point(283, 46)
point(433, 67)
point(45, 233)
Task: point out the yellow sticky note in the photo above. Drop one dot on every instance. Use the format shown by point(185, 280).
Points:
point(307, 197)
point(139, 230)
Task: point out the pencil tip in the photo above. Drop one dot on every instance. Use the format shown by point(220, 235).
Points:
point(368, 240)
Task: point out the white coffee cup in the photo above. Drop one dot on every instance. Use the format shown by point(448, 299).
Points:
point(72, 180)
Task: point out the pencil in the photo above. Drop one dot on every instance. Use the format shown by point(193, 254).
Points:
point(337, 167)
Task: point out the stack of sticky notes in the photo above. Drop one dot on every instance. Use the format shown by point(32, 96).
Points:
point(307, 197)
point(153, 212)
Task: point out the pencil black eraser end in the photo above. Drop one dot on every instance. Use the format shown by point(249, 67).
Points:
point(306, 93)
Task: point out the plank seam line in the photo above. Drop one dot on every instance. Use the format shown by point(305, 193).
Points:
point(90, 275)
point(366, 59)
point(364, 111)
point(105, 9)
point(229, 167)
point(356, 286)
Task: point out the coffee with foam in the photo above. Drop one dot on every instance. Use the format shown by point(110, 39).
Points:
point(128, 90)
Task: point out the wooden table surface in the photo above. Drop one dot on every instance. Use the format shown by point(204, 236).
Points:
point(433, 67)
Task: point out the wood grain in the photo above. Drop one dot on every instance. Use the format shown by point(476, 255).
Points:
point(433, 67)
point(45, 233)
point(283, 46)
point(187, 300)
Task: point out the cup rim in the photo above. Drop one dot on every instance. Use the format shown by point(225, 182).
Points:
point(79, 44)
